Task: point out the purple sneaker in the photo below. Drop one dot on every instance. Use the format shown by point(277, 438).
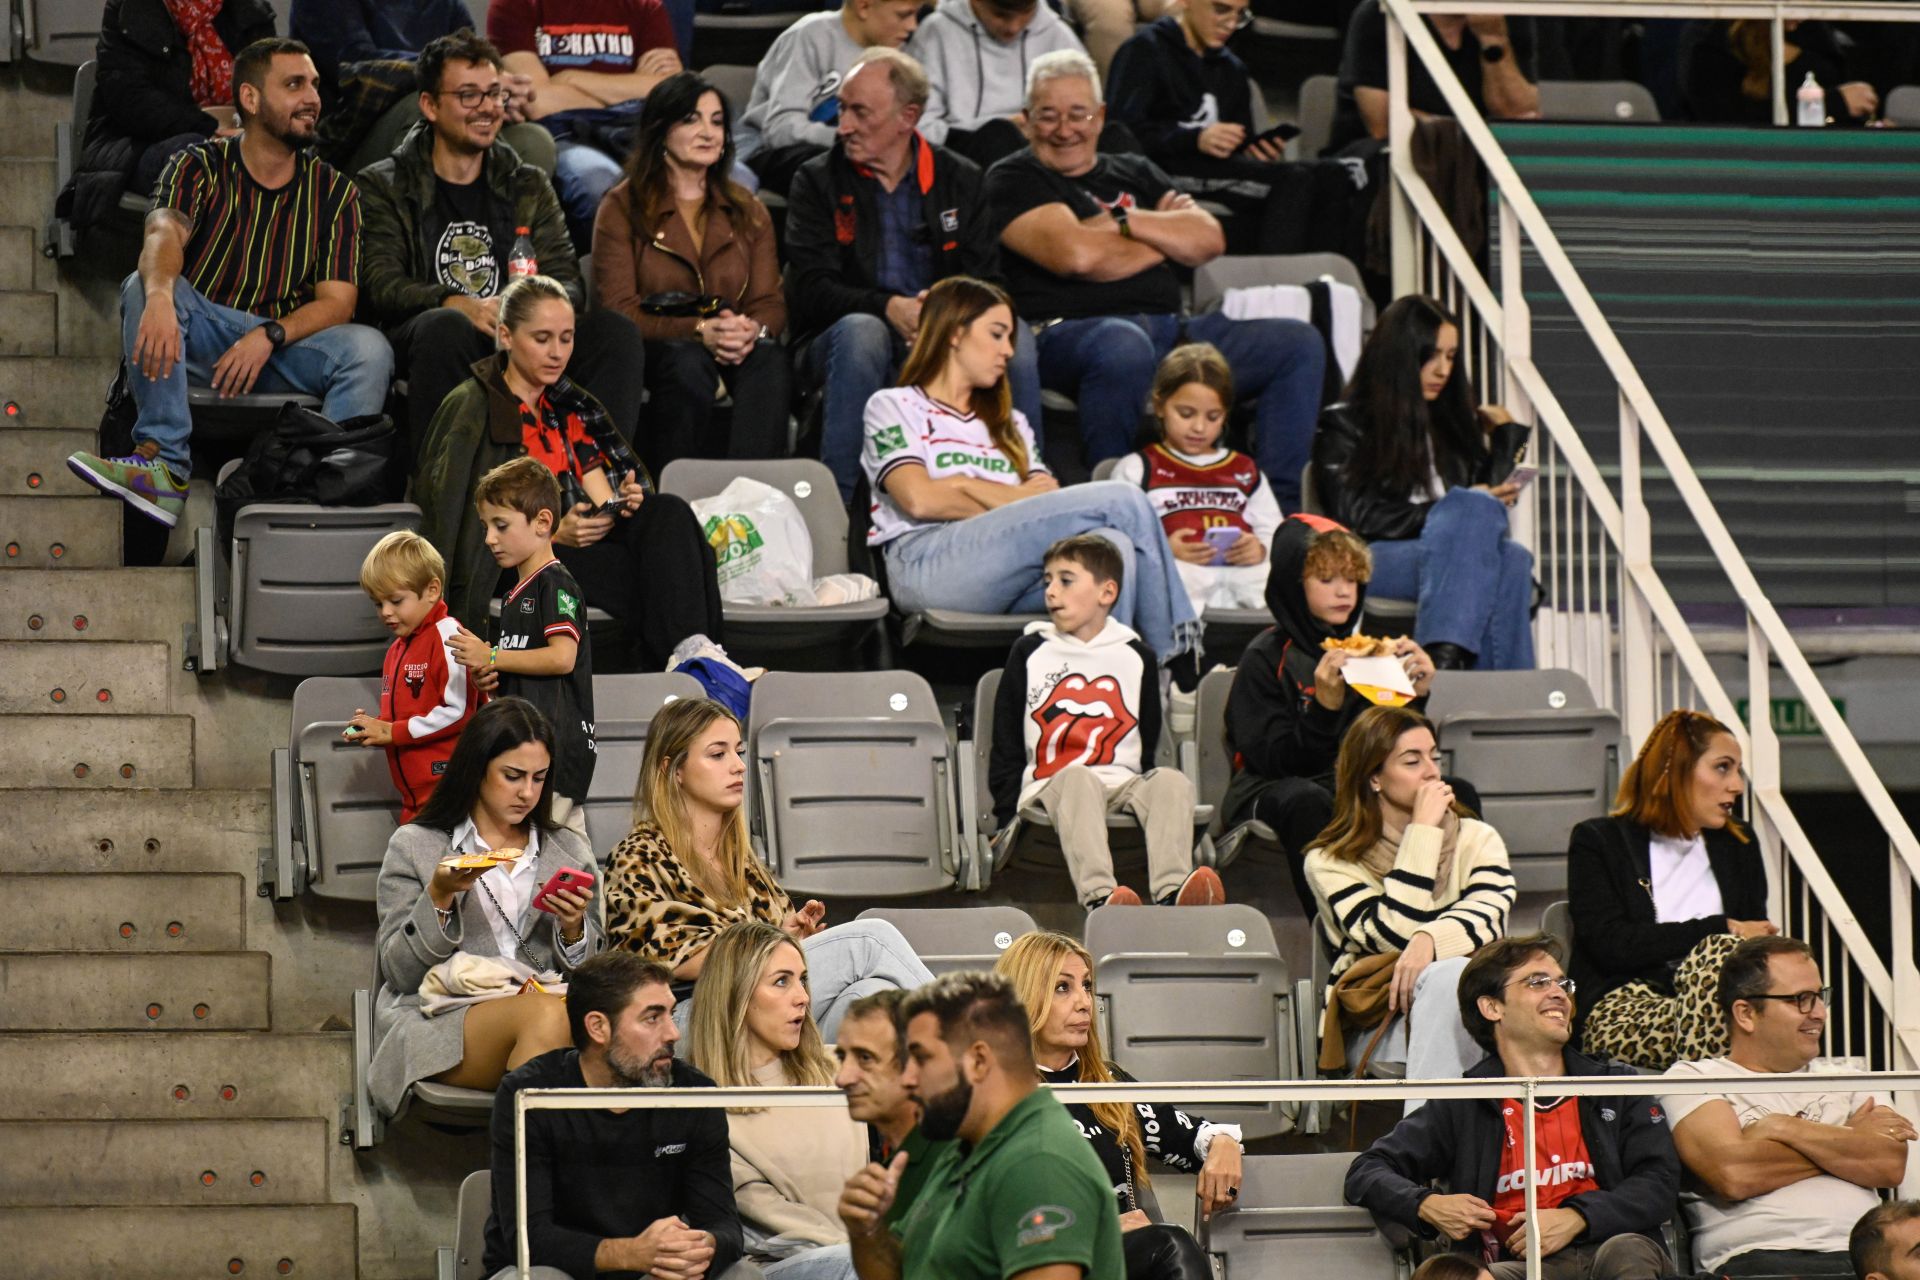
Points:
point(144, 483)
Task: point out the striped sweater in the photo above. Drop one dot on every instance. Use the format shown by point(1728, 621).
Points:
point(1361, 915)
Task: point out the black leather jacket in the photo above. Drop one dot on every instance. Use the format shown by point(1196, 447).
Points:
point(1390, 517)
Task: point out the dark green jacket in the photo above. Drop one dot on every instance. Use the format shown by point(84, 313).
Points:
point(397, 277)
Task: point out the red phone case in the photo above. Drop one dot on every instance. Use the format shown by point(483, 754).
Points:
point(564, 878)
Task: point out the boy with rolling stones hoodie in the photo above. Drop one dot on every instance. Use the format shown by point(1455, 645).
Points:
point(1290, 708)
point(1075, 724)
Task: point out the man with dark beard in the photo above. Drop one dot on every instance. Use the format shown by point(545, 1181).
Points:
point(626, 1191)
point(1021, 1194)
point(247, 280)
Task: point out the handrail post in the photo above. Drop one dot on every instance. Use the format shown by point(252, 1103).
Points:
point(1639, 668)
point(1763, 762)
point(1906, 991)
point(1530, 1178)
point(1516, 343)
point(1406, 266)
point(1777, 30)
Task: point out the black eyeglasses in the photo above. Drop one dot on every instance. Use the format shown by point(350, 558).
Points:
point(471, 96)
point(1802, 1000)
point(1241, 18)
point(1540, 982)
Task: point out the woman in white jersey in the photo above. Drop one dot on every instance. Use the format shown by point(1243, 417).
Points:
point(964, 509)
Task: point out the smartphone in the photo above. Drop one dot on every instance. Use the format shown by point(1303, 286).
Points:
point(613, 506)
point(1220, 539)
point(1521, 477)
point(1280, 135)
point(564, 878)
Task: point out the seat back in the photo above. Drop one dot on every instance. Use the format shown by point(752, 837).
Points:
point(1211, 280)
point(1540, 752)
point(735, 83)
point(1599, 100)
point(623, 711)
point(470, 1235)
point(1103, 469)
point(948, 939)
point(806, 480)
point(1318, 95)
point(1210, 738)
point(63, 32)
point(1199, 993)
point(1292, 1218)
point(297, 607)
point(348, 808)
point(854, 784)
point(1903, 105)
point(1557, 922)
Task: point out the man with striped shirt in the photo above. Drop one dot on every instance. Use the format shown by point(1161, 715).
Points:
point(247, 281)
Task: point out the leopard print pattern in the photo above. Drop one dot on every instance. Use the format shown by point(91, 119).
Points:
point(656, 909)
point(1638, 1025)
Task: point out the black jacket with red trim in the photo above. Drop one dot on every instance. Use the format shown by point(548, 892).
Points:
point(833, 234)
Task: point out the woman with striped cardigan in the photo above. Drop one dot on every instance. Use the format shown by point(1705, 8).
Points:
point(1403, 868)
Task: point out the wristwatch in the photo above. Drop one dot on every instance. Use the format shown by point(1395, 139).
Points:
point(275, 334)
point(1119, 212)
point(1492, 53)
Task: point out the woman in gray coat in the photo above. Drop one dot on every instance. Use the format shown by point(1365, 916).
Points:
point(492, 797)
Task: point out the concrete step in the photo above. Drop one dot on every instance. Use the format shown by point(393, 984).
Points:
point(85, 677)
point(315, 1241)
point(214, 991)
point(97, 604)
point(26, 187)
point(89, 315)
point(128, 831)
point(144, 912)
point(18, 252)
point(163, 1162)
point(28, 112)
point(209, 1075)
point(60, 533)
point(29, 323)
point(99, 751)
point(34, 463)
point(57, 391)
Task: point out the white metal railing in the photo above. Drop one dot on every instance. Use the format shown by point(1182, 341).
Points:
point(1607, 613)
point(1191, 1094)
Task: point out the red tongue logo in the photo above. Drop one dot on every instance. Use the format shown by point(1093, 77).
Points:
point(1081, 721)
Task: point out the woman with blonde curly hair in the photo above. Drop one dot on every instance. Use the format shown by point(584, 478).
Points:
point(1053, 976)
point(751, 1026)
point(1661, 890)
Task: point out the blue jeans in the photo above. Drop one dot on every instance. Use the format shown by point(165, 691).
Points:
point(861, 354)
point(1473, 584)
point(348, 366)
point(582, 174)
point(991, 563)
point(828, 1262)
point(1107, 363)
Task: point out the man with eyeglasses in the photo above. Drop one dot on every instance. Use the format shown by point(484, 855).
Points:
point(1604, 1166)
point(1777, 1180)
point(442, 214)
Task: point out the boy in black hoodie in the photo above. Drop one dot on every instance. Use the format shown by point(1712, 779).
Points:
point(1290, 708)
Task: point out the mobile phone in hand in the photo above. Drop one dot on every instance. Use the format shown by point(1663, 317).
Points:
point(1521, 477)
point(564, 878)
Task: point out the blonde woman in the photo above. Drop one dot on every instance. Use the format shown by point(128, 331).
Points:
point(751, 1026)
point(1403, 868)
point(687, 871)
point(1053, 976)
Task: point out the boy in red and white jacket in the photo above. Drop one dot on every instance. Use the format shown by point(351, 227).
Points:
point(426, 698)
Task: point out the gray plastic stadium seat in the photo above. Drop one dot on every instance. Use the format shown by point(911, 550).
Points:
point(1597, 100)
point(1292, 1218)
point(1318, 98)
point(1903, 106)
point(1382, 613)
point(812, 488)
point(853, 783)
point(463, 1260)
point(1033, 830)
point(1248, 270)
point(1540, 752)
point(1557, 922)
point(623, 710)
point(63, 32)
point(734, 81)
point(1215, 769)
point(1197, 993)
point(344, 805)
point(948, 939)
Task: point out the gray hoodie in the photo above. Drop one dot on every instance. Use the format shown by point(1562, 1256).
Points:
point(795, 87)
point(975, 77)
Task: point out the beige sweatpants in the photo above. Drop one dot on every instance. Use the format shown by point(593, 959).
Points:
point(1078, 802)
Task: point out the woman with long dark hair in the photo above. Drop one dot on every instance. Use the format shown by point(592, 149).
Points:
point(964, 507)
point(688, 255)
point(1407, 462)
point(492, 800)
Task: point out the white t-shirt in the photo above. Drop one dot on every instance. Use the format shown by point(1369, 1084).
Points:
point(1813, 1214)
point(512, 887)
point(905, 424)
point(1683, 883)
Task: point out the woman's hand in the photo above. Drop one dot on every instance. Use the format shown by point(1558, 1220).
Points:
point(1492, 416)
point(569, 907)
point(1861, 99)
point(1752, 928)
point(1133, 1220)
point(1037, 483)
point(1190, 547)
point(1221, 140)
point(632, 492)
point(1247, 549)
point(1418, 666)
point(1219, 1181)
point(368, 732)
point(1407, 970)
point(469, 650)
point(1506, 492)
point(581, 528)
point(1431, 802)
point(1329, 681)
point(729, 337)
point(449, 882)
point(807, 921)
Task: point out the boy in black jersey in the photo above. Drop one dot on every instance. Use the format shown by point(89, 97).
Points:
point(540, 650)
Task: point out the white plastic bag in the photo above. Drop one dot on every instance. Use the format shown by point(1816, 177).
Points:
point(760, 541)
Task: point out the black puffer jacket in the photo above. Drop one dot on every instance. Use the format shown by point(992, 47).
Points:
point(1390, 517)
point(143, 94)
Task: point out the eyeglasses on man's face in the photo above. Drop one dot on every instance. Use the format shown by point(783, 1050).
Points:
point(471, 96)
point(1048, 118)
point(1802, 1000)
point(1538, 982)
point(1239, 17)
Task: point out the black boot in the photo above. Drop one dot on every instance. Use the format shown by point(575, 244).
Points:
point(1450, 657)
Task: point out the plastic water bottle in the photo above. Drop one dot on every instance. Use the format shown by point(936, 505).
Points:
point(523, 262)
point(1811, 104)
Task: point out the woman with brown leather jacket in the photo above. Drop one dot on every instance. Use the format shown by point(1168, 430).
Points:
point(686, 254)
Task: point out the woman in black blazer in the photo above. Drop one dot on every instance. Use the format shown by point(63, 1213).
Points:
point(1660, 892)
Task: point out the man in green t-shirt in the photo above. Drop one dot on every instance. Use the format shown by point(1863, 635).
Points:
point(1021, 1195)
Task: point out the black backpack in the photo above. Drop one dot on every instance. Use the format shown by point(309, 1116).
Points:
point(307, 457)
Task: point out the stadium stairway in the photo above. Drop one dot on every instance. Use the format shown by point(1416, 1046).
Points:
point(175, 1049)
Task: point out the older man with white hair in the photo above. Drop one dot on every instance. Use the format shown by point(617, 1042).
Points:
point(1090, 243)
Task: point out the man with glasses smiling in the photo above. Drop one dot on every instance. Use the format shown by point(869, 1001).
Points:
point(1777, 1180)
point(1604, 1165)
